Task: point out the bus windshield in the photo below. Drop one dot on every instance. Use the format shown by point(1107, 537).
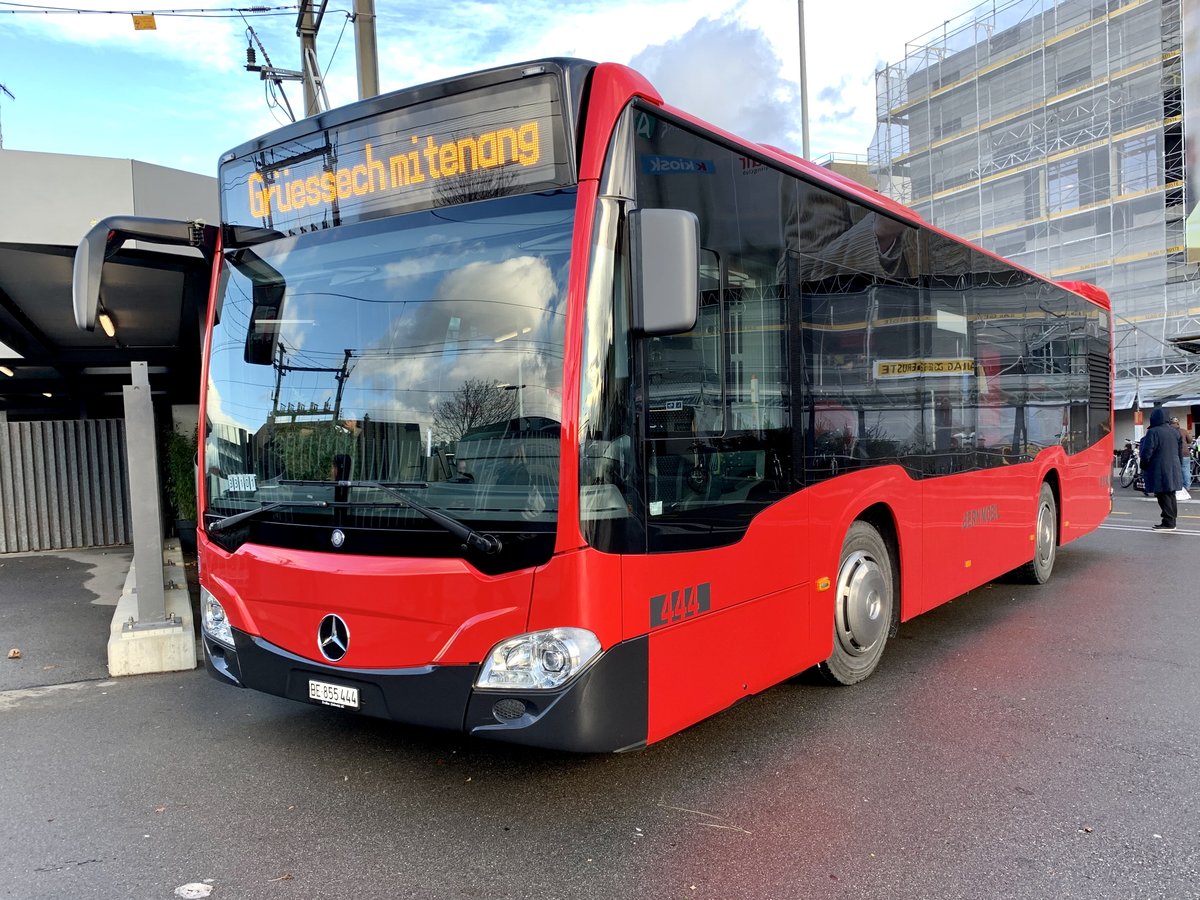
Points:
point(420, 351)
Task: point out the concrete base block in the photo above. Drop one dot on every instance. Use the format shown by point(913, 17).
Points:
point(130, 581)
point(137, 648)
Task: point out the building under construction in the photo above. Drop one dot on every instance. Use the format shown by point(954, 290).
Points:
point(1052, 134)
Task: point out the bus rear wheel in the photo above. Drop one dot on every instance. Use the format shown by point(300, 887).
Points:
point(862, 607)
point(1045, 540)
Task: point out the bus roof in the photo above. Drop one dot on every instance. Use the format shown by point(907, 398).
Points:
point(574, 73)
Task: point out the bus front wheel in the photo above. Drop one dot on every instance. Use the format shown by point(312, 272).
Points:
point(1045, 540)
point(862, 606)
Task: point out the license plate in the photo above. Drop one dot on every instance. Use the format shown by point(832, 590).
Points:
point(333, 694)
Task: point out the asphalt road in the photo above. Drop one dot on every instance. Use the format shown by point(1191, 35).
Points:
point(1020, 742)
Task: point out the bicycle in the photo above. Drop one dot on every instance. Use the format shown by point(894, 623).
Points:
point(1131, 466)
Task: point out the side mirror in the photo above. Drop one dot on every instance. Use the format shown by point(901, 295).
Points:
point(269, 287)
point(107, 236)
point(263, 333)
point(665, 245)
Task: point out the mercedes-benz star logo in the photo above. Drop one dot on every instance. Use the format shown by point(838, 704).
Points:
point(333, 638)
point(337, 538)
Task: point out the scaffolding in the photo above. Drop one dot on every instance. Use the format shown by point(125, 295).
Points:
point(1051, 132)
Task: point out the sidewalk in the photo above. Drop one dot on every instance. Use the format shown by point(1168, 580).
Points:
point(56, 608)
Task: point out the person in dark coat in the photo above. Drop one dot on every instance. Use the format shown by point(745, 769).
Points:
point(1161, 450)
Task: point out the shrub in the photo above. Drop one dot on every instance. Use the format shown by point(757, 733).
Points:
point(181, 473)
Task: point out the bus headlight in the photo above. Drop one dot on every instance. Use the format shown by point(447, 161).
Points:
point(541, 660)
point(212, 619)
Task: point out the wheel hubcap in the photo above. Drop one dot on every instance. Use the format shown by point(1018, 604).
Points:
point(1045, 534)
point(862, 609)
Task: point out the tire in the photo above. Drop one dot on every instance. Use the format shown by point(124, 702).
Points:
point(863, 606)
point(1129, 472)
point(1045, 549)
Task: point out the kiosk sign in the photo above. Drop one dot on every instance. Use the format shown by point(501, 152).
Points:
point(922, 368)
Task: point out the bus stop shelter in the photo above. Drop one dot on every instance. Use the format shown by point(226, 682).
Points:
point(69, 460)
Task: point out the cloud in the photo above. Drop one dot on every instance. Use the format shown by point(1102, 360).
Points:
point(510, 314)
point(728, 74)
point(484, 34)
point(832, 93)
point(850, 114)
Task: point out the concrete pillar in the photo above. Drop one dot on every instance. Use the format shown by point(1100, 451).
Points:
point(152, 630)
point(144, 498)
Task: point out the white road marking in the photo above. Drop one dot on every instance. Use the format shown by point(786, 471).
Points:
point(1147, 528)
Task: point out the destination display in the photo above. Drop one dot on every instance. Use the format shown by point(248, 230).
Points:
point(485, 143)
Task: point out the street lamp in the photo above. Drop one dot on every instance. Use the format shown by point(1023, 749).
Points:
point(803, 86)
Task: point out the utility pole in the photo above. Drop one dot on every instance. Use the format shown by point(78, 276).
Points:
point(308, 24)
point(365, 52)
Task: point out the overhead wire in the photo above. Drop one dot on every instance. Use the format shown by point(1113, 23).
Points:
point(194, 12)
point(333, 55)
point(273, 91)
point(270, 85)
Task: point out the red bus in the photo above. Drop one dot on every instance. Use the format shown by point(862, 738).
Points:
point(537, 409)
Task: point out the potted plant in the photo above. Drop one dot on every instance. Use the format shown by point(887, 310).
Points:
point(181, 485)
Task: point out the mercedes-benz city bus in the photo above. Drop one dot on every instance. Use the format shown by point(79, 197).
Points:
point(538, 409)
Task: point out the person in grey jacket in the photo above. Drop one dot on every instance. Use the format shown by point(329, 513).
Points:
point(1161, 450)
point(1186, 461)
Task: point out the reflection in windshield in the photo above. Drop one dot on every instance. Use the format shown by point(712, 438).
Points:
point(419, 350)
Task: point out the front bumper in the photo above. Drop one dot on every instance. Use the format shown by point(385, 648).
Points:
point(603, 710)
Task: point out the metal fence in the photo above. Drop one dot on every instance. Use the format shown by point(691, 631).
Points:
point(63, 484)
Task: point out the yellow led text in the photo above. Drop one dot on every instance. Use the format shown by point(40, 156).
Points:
point(462, 156)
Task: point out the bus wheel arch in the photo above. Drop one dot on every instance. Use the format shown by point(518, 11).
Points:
point(866, 598)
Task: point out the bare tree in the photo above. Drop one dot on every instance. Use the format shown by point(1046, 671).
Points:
point(480, 184)
point(474, 404)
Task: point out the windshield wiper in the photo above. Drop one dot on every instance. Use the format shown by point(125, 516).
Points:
point(485, 543)
point(230, 521)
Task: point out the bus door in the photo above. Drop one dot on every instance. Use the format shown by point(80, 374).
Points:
point(723, 589)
